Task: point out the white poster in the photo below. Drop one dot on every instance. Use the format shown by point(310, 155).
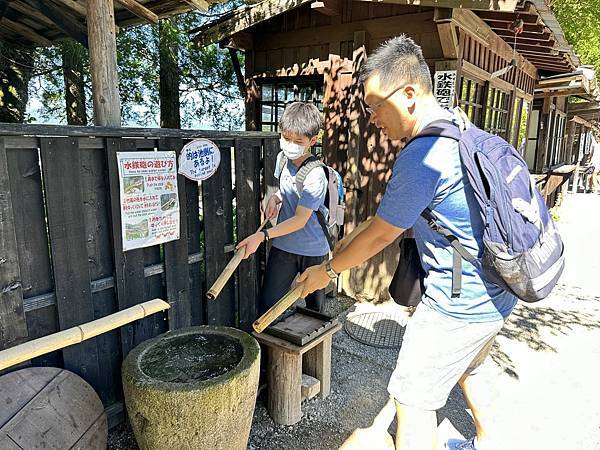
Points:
point(199, 159)
point(149, 200)
point(444, 87)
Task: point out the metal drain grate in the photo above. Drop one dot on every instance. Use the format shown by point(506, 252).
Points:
point(377, 329)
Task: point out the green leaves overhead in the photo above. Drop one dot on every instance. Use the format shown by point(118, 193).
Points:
point(580, 20)
point(209, 95)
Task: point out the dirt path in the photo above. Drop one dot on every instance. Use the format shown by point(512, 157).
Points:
point(548, 358)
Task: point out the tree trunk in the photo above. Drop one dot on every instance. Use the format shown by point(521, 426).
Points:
point(15, 72)
point(73, 72)
point(168, 51)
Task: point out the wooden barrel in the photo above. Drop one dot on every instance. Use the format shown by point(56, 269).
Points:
point(50, 408)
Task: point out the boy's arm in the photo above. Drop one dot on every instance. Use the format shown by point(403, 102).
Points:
point(294, 223)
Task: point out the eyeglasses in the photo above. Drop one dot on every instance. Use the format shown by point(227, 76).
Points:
point(372, 109)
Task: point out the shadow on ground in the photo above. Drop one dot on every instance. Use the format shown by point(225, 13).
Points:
point(535, 325)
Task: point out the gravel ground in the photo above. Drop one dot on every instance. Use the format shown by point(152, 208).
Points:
point(547, 359)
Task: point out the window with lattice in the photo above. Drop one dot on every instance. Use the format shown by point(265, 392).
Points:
point(496, 112)
point(471, 99)
point(277, 93)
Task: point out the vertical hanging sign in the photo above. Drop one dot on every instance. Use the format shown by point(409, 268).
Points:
point(444, 87)
point(149, 200)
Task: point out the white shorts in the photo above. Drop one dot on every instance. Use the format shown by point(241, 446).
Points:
point(436, 352)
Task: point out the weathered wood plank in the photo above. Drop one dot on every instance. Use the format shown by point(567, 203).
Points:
point(194, 236)
point(32, 242)
point(247, 175)
point(61, 166)
point(176, 255)
point(218, 231)
point(129, 266)
point(96, 215)
point(12, 129)
point(13, 327)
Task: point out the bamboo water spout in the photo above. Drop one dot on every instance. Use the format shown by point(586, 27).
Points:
point(235, 261)
point(80, 333)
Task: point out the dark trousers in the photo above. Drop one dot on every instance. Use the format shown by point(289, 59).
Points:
point(282, 268)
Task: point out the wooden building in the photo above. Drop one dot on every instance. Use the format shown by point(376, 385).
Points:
point(311, 50)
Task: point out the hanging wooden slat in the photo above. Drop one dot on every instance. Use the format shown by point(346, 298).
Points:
point(139, 10)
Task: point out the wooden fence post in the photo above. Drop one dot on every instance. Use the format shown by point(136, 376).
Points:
point(247, 194)
point(61, 167)
point(13, 328)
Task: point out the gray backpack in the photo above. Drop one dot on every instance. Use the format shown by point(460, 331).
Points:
point(334, 198)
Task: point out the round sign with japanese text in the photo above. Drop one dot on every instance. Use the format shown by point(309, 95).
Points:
point(199, 159)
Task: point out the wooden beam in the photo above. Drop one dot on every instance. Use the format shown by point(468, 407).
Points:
point(69, 25)
point(485, 5)
point(245, 18)
point(200, 5)
point(580, 120)
point(508, 17)
point(327, 7)
point(543, 36)
point(526, 41)
point(78, 7)
point(238, 71)
point(528, 27)
point(563, 93)
point(31, 12)
point(478, 29)
point(447, 32)
point(103, 63)
point(139, 10)
point(536, 49)
point(584, 107)
point(239, 41)
point(25, 31)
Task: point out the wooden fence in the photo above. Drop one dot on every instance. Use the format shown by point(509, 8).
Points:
point(61, 257)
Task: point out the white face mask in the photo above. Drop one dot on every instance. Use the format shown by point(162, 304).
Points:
point(290, 150)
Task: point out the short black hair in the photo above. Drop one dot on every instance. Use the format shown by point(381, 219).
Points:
point(301, 118)
point(398, 61)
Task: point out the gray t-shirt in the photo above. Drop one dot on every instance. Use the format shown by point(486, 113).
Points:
point(310, 240)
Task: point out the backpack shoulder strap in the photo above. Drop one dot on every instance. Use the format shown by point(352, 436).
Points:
point(281, 161)
point(459, 252)
point(305, 168)
point(439, 128)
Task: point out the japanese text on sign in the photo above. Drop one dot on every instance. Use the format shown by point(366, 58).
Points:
point(199, 159)
point(444, 87)
point(149, 200)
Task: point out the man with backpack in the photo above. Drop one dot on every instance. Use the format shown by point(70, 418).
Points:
point(440, 187)
point(310, 199)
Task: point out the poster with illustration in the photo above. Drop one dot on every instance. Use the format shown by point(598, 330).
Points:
point(149, 200)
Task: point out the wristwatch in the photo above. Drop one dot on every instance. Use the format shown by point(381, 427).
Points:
point(330, 272)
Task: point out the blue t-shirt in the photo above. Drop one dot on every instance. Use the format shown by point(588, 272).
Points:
point(428, 173)
point(310, 240)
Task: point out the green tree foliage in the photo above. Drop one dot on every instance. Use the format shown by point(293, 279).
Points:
point(208, 92)
point(16, 64)
point(580, 20)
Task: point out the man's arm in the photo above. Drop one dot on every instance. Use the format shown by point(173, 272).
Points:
point(375, 237)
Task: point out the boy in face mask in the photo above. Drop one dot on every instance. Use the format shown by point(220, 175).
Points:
point(298, 239)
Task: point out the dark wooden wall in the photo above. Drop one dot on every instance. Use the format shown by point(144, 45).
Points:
point(306, 42)
point(61, 260)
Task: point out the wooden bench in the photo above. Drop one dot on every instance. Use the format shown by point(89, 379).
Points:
point(287, 363)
